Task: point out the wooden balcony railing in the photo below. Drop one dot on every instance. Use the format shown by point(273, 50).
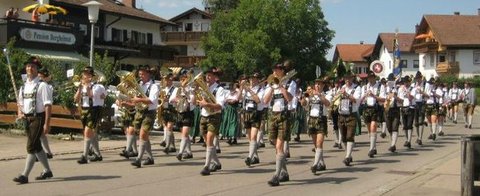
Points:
point(448, 68)
point(182, 37)
point(426, 45)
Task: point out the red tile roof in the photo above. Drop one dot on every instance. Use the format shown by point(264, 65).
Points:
point(353, 52)
point(118, 8)
point(190, 11)
point(405, 40)
point(453, 30)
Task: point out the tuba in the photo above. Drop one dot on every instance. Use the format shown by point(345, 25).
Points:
point(203, 92)
point(129, 88)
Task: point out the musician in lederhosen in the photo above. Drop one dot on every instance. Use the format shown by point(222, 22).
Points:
point(249, 94)
point(381, 110)
point(45, 76)
point(185, 104)
point(454, 97)
point(317, 104)
point(278, 97)
point(347, 110)
point(431, 107)
point(393, 102)
point(168, 112)
point(128, 113)
point(334, 91)
point(210, 119)
point(418, 88)
point(145, 117)
point(407, 109)
point(34, 107)
point(91, 97)
point(468, 96)
point(263, 113)
point(441, 92)
point(291, 87)
point(370, 98)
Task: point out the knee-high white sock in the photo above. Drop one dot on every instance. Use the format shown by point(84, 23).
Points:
point(455, 115)
point(183, 144)
point(286, 147)
point(141, 150)
point(409, 135)
point(316, 161)
point(440, 126)
point(42, 157)
point(189, 146)
point(29, 162)
point(321, 156)
point(172, 139)
point(278, 163)
point(340, 137)
point(215, 157)
point(86, 146)
point(384, 127)
point(421, 132)
point(394, 138)
point(95, 145)
point(251, 149)
point(349, 149)
point(134, 143)
point(430, 125)
point(45, 146)
point(167, 138)
point(216, 142)
point(284, 164)
point(260, 137)
point(128, 146)
point(208, 155)
point(434, 128)
point(373, 139)
point(148, 149)
point(470, 119)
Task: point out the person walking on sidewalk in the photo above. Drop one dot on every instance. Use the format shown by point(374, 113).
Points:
point(468, 97)
point(44, 75)
point(408, 110)
point(371, 97)
point(91, 97)
point(418, 92)
point(431, 107)
point(454, 96)
point(34, 107)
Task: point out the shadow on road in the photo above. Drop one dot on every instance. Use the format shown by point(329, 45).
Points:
point(81, 178)
point(322, 180)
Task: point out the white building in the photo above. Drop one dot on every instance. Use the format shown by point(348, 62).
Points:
point(448, 45)
point(383, 52)
point(356, 55)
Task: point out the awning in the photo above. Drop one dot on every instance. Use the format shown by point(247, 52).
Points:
point(57, 55)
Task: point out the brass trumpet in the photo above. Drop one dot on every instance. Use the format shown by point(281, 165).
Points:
point(129, 87)
point(204, 92)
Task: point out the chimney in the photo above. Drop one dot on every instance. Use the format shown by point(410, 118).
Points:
point(361, 42)
point(417, 27)
point(130, 3)
point(456, 13)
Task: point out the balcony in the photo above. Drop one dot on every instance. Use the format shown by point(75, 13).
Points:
point(184, 61)
point(40, 35)
point(448, 68)
point(182, 38)
point(426, 45)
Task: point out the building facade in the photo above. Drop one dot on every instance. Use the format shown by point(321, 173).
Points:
point(357, 55)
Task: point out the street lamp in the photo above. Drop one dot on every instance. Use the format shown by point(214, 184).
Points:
point(93, 8)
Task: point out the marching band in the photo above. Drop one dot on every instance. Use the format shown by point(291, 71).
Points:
point(266, 105)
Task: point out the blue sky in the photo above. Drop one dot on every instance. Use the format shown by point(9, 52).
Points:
point(352, 20)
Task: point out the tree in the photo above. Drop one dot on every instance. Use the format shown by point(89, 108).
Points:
point(258, 33)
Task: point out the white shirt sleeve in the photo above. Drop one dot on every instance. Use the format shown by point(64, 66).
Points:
point(46, 94)
point(154, 91)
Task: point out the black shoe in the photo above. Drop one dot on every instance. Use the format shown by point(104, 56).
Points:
point(187, 156)
point(313, 168)
point(148, 161)
point(470, 126)
point(255, 160)
point(375, 151)
point(371, 153)
point(166, 151)
point(383, 135)
point(425, 123)
point(284, 177)
point(430, 137)
point(205, 171)
point(248, 161)
point(321, 167)
point(466, 126)
point(96, 158)
point(229, 141)
point(201, 140)
point(215, 167)
point(335, 145)
point(274, 181)
point(21, 179)
point(271, 142)
point(44, 175)
point(234, 141)
point(82, 160)
point(163, 144)
point(90, 152)
point(408, 145)
point(261, 145)
point(218, 151)
point(347, 161)
point(340, 146)
point(392, 148)
point(434, 137)
point(313, 149)
point(179, 157)
point(297, 139)
point(123, 153)
point(419, 142)
point(204, 145)
point(441, 133)
point(287, 155)
point(172, 150)
point(49, 156)
point(455, 122)
point(136, 163)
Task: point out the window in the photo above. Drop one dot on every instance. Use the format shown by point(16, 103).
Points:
point(149, 39)
point(416, 63)
point(442, 58)
point(125, 35)
point(117, 35)
point(134, 37)
point(205, 27)
point(451, 56)
point(404, 63)
point(96, 32)
point(476, 57)
point(188, 27)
